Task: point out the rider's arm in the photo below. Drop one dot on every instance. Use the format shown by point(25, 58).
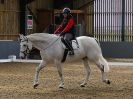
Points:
point(69, 25)
point(58, 29)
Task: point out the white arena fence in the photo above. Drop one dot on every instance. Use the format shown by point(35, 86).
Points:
point(19, 60)
point(12, 58)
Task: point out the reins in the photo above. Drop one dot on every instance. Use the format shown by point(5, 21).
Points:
point(52, 43)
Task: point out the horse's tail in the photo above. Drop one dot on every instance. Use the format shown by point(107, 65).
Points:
point(98, 43)
point(104, 63)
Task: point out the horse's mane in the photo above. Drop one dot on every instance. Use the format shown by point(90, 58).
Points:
point(41, 37)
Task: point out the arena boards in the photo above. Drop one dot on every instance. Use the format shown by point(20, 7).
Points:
point(38, 61)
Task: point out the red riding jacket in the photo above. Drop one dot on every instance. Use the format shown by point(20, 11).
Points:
point(66, 28)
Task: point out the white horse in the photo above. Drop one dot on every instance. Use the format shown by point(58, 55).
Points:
point(52, 50)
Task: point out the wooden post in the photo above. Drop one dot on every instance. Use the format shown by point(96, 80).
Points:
point(123, 21)
point(22, 4)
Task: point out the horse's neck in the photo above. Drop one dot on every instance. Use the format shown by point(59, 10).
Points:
point(39, 45)
point(43, 44)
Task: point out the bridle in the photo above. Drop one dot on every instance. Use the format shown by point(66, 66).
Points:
point(27, 51)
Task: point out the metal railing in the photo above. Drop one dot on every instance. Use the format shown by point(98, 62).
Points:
point(113, 20)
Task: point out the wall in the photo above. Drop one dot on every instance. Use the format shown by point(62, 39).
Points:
point(88, 7)
point(39, 4)
point(9, 48)
point(9, 19)
point(117, 49)
point(109, 49)
point(79, 3)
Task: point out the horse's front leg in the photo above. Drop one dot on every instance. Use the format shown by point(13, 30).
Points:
point(36, 80)
point(60, 72)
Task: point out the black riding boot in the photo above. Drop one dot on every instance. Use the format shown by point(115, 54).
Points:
point(68, 46)
point(71, 51)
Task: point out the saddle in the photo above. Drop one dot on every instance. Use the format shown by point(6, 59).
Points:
point(74, 43)
point(75, 46)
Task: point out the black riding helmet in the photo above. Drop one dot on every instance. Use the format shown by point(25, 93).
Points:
point(66, 11)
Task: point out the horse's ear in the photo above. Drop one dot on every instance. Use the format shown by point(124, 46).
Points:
point(21, 36)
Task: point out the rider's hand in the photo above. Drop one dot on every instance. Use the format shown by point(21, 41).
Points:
point(56, 34)
point(61, 34)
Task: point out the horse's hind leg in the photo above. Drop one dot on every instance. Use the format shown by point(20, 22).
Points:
point(88, 70)
point(36, 80)
point(103, 66)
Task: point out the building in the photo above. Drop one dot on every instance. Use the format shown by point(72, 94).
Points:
point(14, 13)
point(110, 21)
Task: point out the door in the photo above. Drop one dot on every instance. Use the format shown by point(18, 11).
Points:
point(44, 19)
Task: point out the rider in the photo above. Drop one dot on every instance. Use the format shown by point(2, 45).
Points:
point(66, 29)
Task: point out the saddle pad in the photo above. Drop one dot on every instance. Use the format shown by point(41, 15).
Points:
point(75, 45)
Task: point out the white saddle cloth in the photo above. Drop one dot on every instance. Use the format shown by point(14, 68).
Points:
point(75, 45)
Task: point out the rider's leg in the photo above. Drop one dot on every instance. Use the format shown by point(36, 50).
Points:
point(68, 37)
point(67, 44)
point(71, 51)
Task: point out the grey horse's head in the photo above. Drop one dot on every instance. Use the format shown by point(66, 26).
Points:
point(25, 46)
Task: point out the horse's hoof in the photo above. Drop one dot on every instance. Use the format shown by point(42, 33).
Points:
point(82, 85)
point(35, 86)
point(61, 87)
point(108, 82)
